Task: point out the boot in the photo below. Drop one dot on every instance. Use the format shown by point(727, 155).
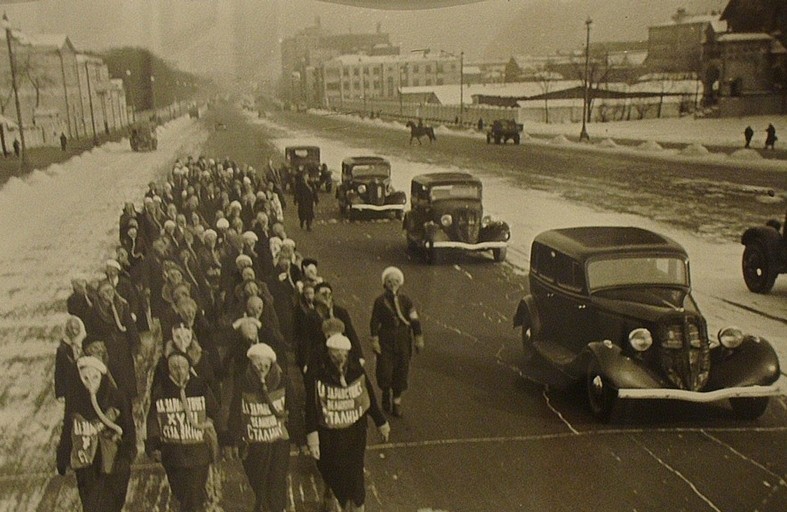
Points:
point(397, 407)
point(387, 400)
point(328, 501)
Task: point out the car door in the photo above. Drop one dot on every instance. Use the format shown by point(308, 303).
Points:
point(577, 325)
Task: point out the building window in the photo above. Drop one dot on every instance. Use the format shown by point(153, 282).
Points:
point(365, 71)
point(334, 86)
point(415, 68)
point(355, 72)
point(428, 81)
point(346, 86)
point(375, 71)
point(356, 85)
point(439, 68)
point(346, 72)
point(375, 85)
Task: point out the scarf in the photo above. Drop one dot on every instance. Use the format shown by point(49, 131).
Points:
point(103, 417)
point(105, 315)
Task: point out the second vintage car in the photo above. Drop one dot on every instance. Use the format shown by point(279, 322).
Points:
point(447, 213)
point(366, 187)
point(612, 307)
point(305, 161)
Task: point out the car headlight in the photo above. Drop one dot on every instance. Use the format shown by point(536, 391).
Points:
point(730, 337)
point(485, 221)
point(640, 339)
point(446, 220)
point(361, 188)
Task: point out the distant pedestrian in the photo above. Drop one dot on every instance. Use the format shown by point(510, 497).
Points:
point(63, 141)
point(17, 148)
point(770, 136)
point(748, 133)
point(305, 197)
point(480, 124)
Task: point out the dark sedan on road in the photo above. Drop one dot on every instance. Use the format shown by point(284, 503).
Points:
point(447, 213)
point(612, 306)
point(366, 187)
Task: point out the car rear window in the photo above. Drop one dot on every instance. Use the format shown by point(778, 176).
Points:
point(637, 270)
point(371, 171)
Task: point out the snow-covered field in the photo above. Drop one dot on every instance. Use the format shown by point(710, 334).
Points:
point(55, 224)
point(715, 265)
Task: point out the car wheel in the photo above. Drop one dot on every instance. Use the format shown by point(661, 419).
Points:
point(601, 395)
point(757, 270)
point(351, 214)
point(516, 139)
point(399, 214)
point(500, 254)
point(749, 408)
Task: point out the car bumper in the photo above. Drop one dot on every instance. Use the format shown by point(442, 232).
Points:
point(700, 396)
point(481, 246)
point(375, 208)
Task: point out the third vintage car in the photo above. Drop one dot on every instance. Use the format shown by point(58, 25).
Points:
point(447, 213)
point(305, 161)
point(366, 187)
point(765, 255)
point(612, 307)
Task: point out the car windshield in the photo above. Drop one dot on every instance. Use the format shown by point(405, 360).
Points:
point(371, 171)
point(455, 191)
point(637, 270)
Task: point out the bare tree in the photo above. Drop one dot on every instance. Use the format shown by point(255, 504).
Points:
point(546, 82)
point(598, 73)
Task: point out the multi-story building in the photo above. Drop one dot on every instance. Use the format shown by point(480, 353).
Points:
point(677, 45)
point(365, 76)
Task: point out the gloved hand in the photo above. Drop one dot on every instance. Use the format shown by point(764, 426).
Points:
point(375, 340)
point(419, 343)
point(313, 440)
point(385, 431)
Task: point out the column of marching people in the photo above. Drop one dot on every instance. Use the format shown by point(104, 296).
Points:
point(206, 262)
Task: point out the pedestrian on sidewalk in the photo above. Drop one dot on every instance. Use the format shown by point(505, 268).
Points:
point(770, 136)
point(396, 331)
point(337, 435)
point(748, 133)
point(257, 424)
point(63, 141)
point(102, 437)
point(17, 148)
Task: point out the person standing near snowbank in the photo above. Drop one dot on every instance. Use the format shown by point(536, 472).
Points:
point(748, 133)
point(770, 136)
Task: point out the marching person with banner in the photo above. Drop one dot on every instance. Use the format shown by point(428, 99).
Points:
point(396, 330)
point(180, 431)
point(257, 424)
point(100, 437)
point(339, 397)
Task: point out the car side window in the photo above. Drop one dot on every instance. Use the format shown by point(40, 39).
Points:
point(568, 273)
point(544, 261)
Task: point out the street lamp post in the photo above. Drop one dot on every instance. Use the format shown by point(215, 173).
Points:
point(12, 62)
point(461, 86)
point(90, 99)
point(583, 135)
point(130, 95)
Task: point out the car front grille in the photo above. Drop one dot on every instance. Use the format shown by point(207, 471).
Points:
point(375, 193)
point(685, 352)
point(467, 225)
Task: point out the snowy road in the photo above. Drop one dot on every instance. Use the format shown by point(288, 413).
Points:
point(715, 265)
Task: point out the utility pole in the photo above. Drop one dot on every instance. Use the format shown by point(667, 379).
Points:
point(583, 135)
point(65, 92)
point(461, 86)
point(12, 62)
point(90, 99)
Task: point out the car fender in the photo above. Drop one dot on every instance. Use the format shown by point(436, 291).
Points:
point(397, 197)
point(622, 371)
point(526, 314)
point(495, 231)
point(770, 239)
point(753, 363)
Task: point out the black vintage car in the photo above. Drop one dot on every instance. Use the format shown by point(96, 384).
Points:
point(305, 161)
point(765, 255)
point(143, 137)
point(447, 213)
point(612, 306)
point(503, 130)
point(366, 187)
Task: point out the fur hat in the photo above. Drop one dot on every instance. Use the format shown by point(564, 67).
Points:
point(394, 272)
point(114, 264)
point(222, 223)
point(261, 350)
point(91, 362)
point(243, 258)
point(339, 342)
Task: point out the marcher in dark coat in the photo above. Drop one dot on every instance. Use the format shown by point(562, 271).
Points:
point(179, 423)
point(154, 278)
point(67, 378)
point(182, 339)
point(101, 438)
point(770, 137)
point(152, 221)
point(257, 423)
point(80, 302)
point(337, 435)
point(124, 287)
point(394, 325)
point(110, 321)
point(305, 197)
point(313, 342)
point(285, 296)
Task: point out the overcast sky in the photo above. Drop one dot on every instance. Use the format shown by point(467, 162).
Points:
point(205, 34)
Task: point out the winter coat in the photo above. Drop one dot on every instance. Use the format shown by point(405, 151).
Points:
point(312, 345)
